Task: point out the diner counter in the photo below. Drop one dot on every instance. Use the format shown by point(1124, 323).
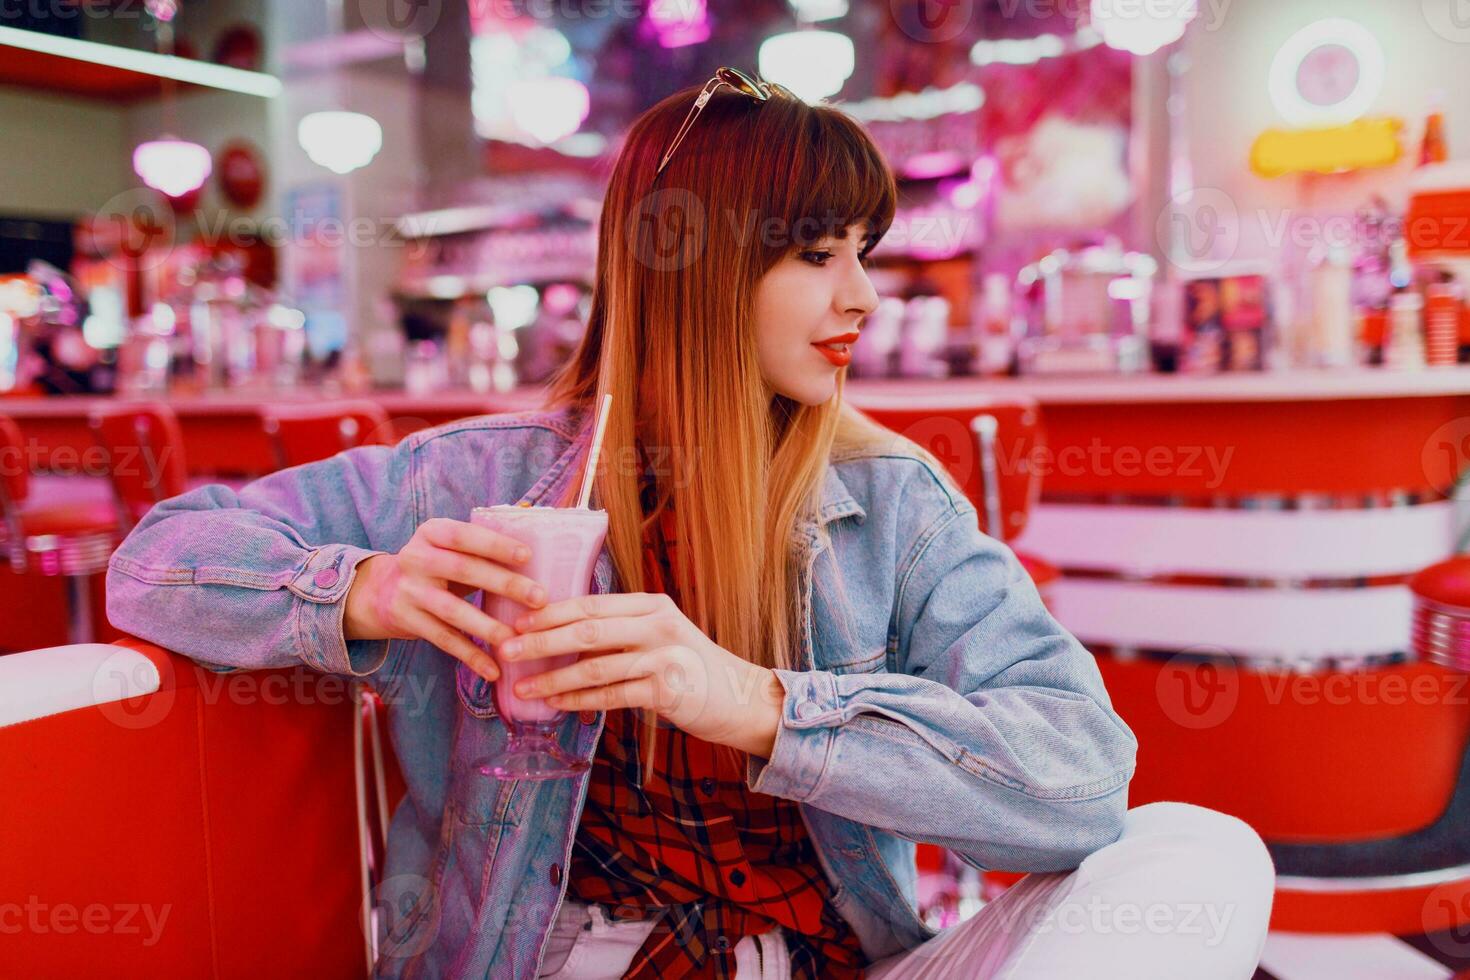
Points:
point(1263, 386)
point(1148, 436)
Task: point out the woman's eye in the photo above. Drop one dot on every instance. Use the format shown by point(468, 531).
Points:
point(816, 258)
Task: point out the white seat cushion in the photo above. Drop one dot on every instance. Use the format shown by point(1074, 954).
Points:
point(39, 683)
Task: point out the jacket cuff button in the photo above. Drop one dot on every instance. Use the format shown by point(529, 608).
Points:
point(326, 578)
point(807, 709)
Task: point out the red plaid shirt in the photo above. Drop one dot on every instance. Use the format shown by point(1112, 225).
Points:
point(691, 845)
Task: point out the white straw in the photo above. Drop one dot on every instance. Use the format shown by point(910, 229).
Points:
point(596, 452)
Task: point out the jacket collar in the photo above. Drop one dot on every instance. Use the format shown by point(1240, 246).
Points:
point(837, 501)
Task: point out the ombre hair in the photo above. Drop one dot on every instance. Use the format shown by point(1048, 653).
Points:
point(671, 335)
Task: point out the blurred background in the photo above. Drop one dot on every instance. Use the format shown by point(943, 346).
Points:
point(377, 193)
point(1177, 288)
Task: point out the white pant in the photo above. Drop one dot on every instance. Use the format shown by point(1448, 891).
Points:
point(1185, 891)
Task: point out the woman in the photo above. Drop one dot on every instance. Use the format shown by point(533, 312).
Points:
point(801, 655)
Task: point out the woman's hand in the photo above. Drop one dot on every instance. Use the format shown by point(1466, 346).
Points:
point(640, 651)
point(419, 592)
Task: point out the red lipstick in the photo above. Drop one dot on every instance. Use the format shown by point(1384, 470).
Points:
point(838, 349)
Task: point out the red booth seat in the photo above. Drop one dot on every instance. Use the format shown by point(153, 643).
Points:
point(166, 820)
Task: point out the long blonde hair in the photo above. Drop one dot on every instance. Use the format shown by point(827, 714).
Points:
point(671, 336)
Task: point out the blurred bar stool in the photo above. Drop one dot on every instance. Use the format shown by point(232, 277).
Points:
point(73, 539)
point(145, 456)
point(307, 433)
point(987, 444)
point(1442, 613)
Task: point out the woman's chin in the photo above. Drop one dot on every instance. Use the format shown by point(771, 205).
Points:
point(816, 393)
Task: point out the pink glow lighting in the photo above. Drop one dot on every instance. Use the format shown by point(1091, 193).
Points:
point(679, 23)
point(936, 164)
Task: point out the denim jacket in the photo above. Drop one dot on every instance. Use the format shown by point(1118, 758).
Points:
point(936, 698)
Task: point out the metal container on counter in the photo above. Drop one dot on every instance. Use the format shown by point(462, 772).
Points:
point(1085, 312)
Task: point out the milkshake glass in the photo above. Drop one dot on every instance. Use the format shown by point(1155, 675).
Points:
point(564, 543)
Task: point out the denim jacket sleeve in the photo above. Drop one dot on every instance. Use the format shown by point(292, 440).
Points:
point(256, 578)
point(993, 737)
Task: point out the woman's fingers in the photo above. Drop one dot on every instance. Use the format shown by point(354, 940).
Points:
point(597, 605)
point(637, 693)
point(479, 573)
point(458, 613)
point(474, 540)
point(583, 636)
point(451, 641)
point(605, 671)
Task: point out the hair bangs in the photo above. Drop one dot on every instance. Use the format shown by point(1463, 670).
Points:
point(844, 181)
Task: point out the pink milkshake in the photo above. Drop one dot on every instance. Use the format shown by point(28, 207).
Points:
point(564, 543)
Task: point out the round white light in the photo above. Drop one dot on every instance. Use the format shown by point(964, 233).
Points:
point(813, 10)
point(173, 167)
point(340, 141)
point(1142, 28)
point(513, 306)
point(812, 64)
point(1339, 40)
point(549, 108)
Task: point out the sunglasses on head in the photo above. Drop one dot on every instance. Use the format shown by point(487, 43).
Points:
point(735, 79)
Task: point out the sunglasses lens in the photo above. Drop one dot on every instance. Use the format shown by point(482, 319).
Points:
point(737, 79)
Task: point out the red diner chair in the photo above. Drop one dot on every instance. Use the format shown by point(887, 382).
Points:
point(307, 433)
point(72, 539)
point(162, 817)
point(145, 455)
